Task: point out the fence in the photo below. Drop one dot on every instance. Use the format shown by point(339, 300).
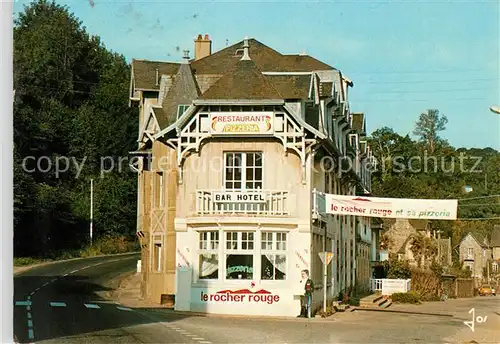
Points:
point(388, 286)
point(458, 287)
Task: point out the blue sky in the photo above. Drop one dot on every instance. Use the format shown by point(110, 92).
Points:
point(403, 56)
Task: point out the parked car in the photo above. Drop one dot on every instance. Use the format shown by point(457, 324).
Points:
point(487, 290)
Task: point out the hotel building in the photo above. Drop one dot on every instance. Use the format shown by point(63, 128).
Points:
point(232, 147)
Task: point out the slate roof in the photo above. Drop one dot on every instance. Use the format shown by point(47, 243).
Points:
point(223, 75)
point(266, 59)
point(245, 81)
point(291, 86)
point(144, 73)
point(480, 238)
point(183, 91)
point(358, 123)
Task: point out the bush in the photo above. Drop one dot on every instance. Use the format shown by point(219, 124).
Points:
point(426, 283)
point(409, 297)
point(399, 269)
point(24, 261)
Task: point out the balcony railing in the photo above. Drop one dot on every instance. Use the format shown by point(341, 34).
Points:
point(247, 202)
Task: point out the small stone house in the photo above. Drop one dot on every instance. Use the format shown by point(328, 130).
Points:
point(474, 253)
point(495, 248)
point(400, 234)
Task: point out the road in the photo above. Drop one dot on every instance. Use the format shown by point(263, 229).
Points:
point(64, 303)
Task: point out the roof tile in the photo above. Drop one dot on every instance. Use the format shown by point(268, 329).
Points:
point(244, 81)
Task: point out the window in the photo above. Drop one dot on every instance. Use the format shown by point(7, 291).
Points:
point(327, 182)
point(161, 189)
point(469, 265)
point(494, 267)
point(181, 109)
point(243, 171)
point(208, 256)
point(279, 122)
point(470, 252)
point(157, 265)
point(239, 255)
point(204, 123)
point(273, 255)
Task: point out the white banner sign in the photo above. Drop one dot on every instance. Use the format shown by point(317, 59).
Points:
point(231, 123)
point(238, 197)
point(398, 208)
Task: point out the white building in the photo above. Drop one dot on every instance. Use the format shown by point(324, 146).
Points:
point(246, 135)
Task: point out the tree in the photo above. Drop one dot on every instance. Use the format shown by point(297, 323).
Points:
point(71, 102)
point(427, 129)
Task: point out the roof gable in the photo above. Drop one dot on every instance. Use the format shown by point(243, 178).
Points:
point(478, 237)
point(183, 91)
point(244, 82)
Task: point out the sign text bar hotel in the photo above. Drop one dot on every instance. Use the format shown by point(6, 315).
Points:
point(238, 197)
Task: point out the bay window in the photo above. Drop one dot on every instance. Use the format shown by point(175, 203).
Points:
point(273, 255)
point(243, 170)
point(208, 255)
point(239, 254)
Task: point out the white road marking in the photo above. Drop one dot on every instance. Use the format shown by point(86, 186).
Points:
point(52, 281)
point(37, 289)
point(31, 333)
point(28, 308)
point(46, 284)
point(191, 335)
point(29, 315)
point(198, 338)
point(29, 297)
point(72, 272)
point(32, 293)
point(23, 303)
point(91, 305)
point(97, 264)
point(66, 274)
point(58, 304)
point(124, 308)
point(30, 323)
point(205, 342)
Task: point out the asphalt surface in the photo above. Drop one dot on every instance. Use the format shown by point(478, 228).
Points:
point(64, 303)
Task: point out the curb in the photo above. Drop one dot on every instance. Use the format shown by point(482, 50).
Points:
point(402, 312)
point(236, 316)
point(29, 267)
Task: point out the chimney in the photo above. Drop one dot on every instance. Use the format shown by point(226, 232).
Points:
point(245, 50)
point(202, 47)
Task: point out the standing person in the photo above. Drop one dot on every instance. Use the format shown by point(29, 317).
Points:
point(308, 289)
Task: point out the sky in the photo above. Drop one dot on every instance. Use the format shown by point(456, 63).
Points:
point(404, 57)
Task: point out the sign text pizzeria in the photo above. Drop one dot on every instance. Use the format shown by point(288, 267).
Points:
point(243, 123)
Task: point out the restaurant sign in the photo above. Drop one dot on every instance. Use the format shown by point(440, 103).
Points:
point(261, 296)
point(238, 197)
point(249, 123)
point(398, 208)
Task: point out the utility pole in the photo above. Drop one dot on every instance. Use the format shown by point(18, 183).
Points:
point(91, 208)
point(439, 246)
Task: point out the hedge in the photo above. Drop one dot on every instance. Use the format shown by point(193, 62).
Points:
point(409, 297)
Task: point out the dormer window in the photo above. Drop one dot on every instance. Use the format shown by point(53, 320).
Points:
point(181, 109)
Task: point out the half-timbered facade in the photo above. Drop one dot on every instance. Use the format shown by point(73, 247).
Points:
point(233, 146)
